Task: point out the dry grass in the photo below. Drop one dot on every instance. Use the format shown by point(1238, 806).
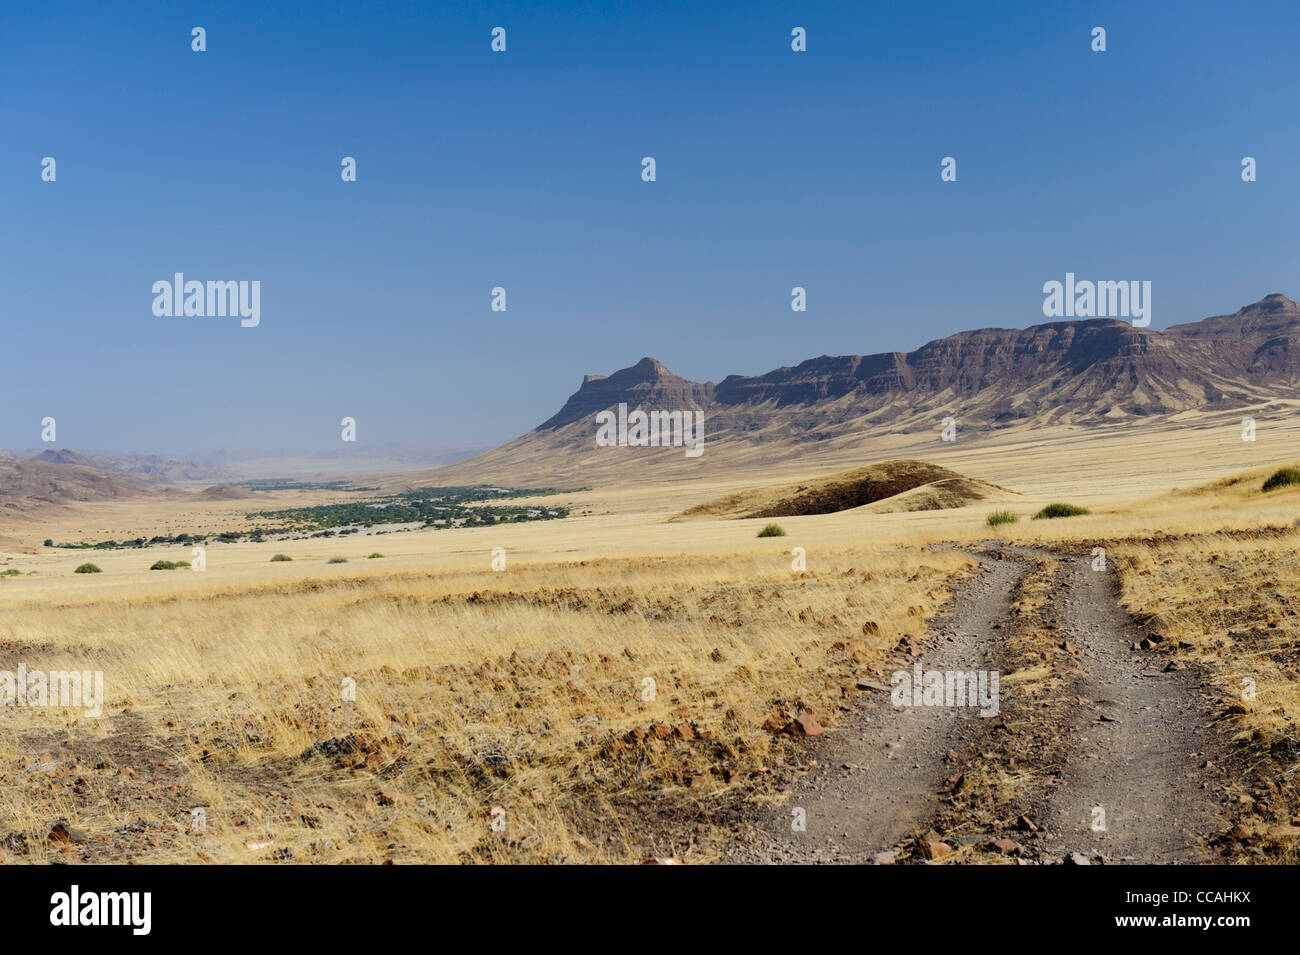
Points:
point(1230, 602)
point(519, 690)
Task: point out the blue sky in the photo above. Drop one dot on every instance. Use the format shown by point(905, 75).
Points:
point(522, 169)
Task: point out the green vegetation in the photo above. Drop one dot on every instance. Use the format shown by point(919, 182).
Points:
point(11, 572)
point(436, 507)
point(1061, 510)
point(288, 484)
point(1282, 478)
point(1001, 517)
point(87, 569)
point(772, 530)
point(280, 557)
point(337, 560)
point(169, 564)
point(374, 555)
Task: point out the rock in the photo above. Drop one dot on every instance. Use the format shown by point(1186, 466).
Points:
point(60, 831)
point(773, 724)
point(656, 860)
point(1077, 858)
point(1238, 832)
point(930, 847)
point(1176, 665)
point(805, 724)
point(1005, 846)
point(1026, 824)
point(685, 732)
point(888, 857)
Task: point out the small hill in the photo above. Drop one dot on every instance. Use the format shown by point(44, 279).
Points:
point(902, 485)
point(28, 486)
point(223, 492)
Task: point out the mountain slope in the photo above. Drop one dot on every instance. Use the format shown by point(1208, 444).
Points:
point(1090, 372)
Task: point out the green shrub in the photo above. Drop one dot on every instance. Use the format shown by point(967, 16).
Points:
point(11, 572)
point(374, 555)
point(279, 557)
point(87, 569)
point(1061, 510)
point(1001, 517)
point(1282, 478)
point(163, 565)
point(772, 530)
point(337, 560)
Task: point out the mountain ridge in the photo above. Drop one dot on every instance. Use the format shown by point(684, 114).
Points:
point(1084, 372)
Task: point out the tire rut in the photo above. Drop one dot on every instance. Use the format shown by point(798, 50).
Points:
point(898, 757)
point(1142, 768)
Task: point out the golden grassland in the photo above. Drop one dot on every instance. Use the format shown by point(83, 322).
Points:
point(523, 690)
point(473, 689)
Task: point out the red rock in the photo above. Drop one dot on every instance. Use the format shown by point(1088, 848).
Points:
point(931, 848)
point(805, 724)
point(685, 731)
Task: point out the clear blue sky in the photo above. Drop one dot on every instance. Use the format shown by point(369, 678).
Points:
point(522, 169)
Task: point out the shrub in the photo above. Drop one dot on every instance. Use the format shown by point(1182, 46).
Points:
point(87, 569)
point(163, 565)
point(279, 557)
point(337, 560)
point(374, 555)
point(1001, 517)
point(772, 530)
point(11, 572)
point(1282, 478)
point(1061, 510)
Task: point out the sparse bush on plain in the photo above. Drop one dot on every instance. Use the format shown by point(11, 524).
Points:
point(1061, 510)
point(1001, 517)
point(169, 564)
point(1282, 478)
point(374, 555)
point(87, 569)
point(280, 557)
point(337, 560)
point(772, 530)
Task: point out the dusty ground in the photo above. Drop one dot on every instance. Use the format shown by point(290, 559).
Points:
point(521, 690)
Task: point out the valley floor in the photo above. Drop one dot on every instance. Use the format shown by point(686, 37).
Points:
point(626, 688)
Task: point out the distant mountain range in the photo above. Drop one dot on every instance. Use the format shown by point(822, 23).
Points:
point(1066, 372)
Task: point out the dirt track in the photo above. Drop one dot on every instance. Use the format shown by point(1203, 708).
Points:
point(1122, 764)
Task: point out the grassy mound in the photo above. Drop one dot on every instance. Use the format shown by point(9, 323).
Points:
point(1283, 478)
point(1061, 510)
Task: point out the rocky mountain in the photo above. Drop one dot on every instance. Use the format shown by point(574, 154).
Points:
point(30, 486)
point(1085, 372)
